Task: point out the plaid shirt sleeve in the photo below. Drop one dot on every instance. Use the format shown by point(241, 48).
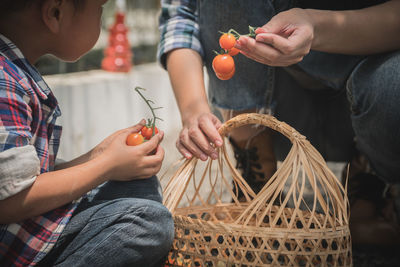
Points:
point(19, 163)
point(178, 28)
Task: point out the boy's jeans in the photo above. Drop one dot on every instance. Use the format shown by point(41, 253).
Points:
point(118, 224)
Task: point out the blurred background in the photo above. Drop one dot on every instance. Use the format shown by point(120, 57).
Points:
point(142, 22)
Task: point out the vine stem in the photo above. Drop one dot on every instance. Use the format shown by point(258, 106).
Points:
point(153, 123)
point(250, 34)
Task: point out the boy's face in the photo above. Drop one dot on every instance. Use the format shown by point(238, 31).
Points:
point(80, 29)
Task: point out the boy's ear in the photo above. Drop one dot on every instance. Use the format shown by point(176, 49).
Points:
point(52, 14)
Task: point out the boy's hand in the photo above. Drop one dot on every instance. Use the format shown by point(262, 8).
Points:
point(133, 162)
point(96, 151)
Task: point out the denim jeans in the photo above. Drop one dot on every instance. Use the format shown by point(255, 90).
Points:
point(117, 224)
point(337, 101)
point(374, 93)
point(364, 113)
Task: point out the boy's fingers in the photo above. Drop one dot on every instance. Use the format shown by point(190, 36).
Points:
point(133, 129)
point(160, 152)
point(152, 144)
point(137, 127)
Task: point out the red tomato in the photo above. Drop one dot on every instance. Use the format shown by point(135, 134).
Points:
point(227, 41)
point(233, 51)
point(223, 64)
point(134, 139)
point(147, 131)
point(225, 77)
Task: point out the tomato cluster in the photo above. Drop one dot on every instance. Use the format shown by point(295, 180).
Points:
point(145, 134)
point(223, 64)
point(147, 131)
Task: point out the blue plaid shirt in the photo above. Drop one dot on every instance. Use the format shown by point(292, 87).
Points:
point(29, 140)
point(178, 27)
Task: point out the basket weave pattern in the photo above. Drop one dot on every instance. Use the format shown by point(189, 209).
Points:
point(276, 227)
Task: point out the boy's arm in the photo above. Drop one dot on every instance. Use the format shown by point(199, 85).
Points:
point(118, 162)
point(53, 189)
point(24, 192)
point(68, 164)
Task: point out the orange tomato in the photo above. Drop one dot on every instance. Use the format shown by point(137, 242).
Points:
point(134, 139)
point(233, 51)
point(225, 77)
point(147, 131)
point(227, 41)
point(223, 64)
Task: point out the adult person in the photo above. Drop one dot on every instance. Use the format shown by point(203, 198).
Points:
point(328, 68)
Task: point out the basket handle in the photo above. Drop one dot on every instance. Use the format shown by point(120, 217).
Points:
point(262, 119)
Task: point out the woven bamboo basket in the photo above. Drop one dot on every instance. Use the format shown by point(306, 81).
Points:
point(276, 227)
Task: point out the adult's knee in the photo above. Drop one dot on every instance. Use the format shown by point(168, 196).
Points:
point(374, 92)
point(374, 88)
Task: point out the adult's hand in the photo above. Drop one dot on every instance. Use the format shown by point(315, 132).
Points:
point(290, 35)
point(197, 136)
point(283, 41)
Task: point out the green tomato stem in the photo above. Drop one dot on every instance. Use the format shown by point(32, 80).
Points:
point(151, 122)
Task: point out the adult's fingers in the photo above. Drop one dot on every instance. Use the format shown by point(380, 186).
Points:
point(189, 140)
point(278, 42)
point(209, 125)
point(282, 62)
point(182, 149)
point(266, 54)
point(257, 49)
point(296, 44)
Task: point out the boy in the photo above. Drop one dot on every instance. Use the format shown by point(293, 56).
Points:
point(46, 217)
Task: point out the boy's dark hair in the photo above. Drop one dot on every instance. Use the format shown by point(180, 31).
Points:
point(11, 6)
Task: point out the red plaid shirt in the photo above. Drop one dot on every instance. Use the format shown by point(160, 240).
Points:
point(28, 113)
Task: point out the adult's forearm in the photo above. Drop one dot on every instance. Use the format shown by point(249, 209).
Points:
point(365, 31)
point(185, 69)
point(52, 190)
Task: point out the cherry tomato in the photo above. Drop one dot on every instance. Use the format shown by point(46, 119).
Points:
point(233, 51)
point(225, 77)
point(134, 139)
point(227, 41)
point(223, 64)
point(147, 131)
